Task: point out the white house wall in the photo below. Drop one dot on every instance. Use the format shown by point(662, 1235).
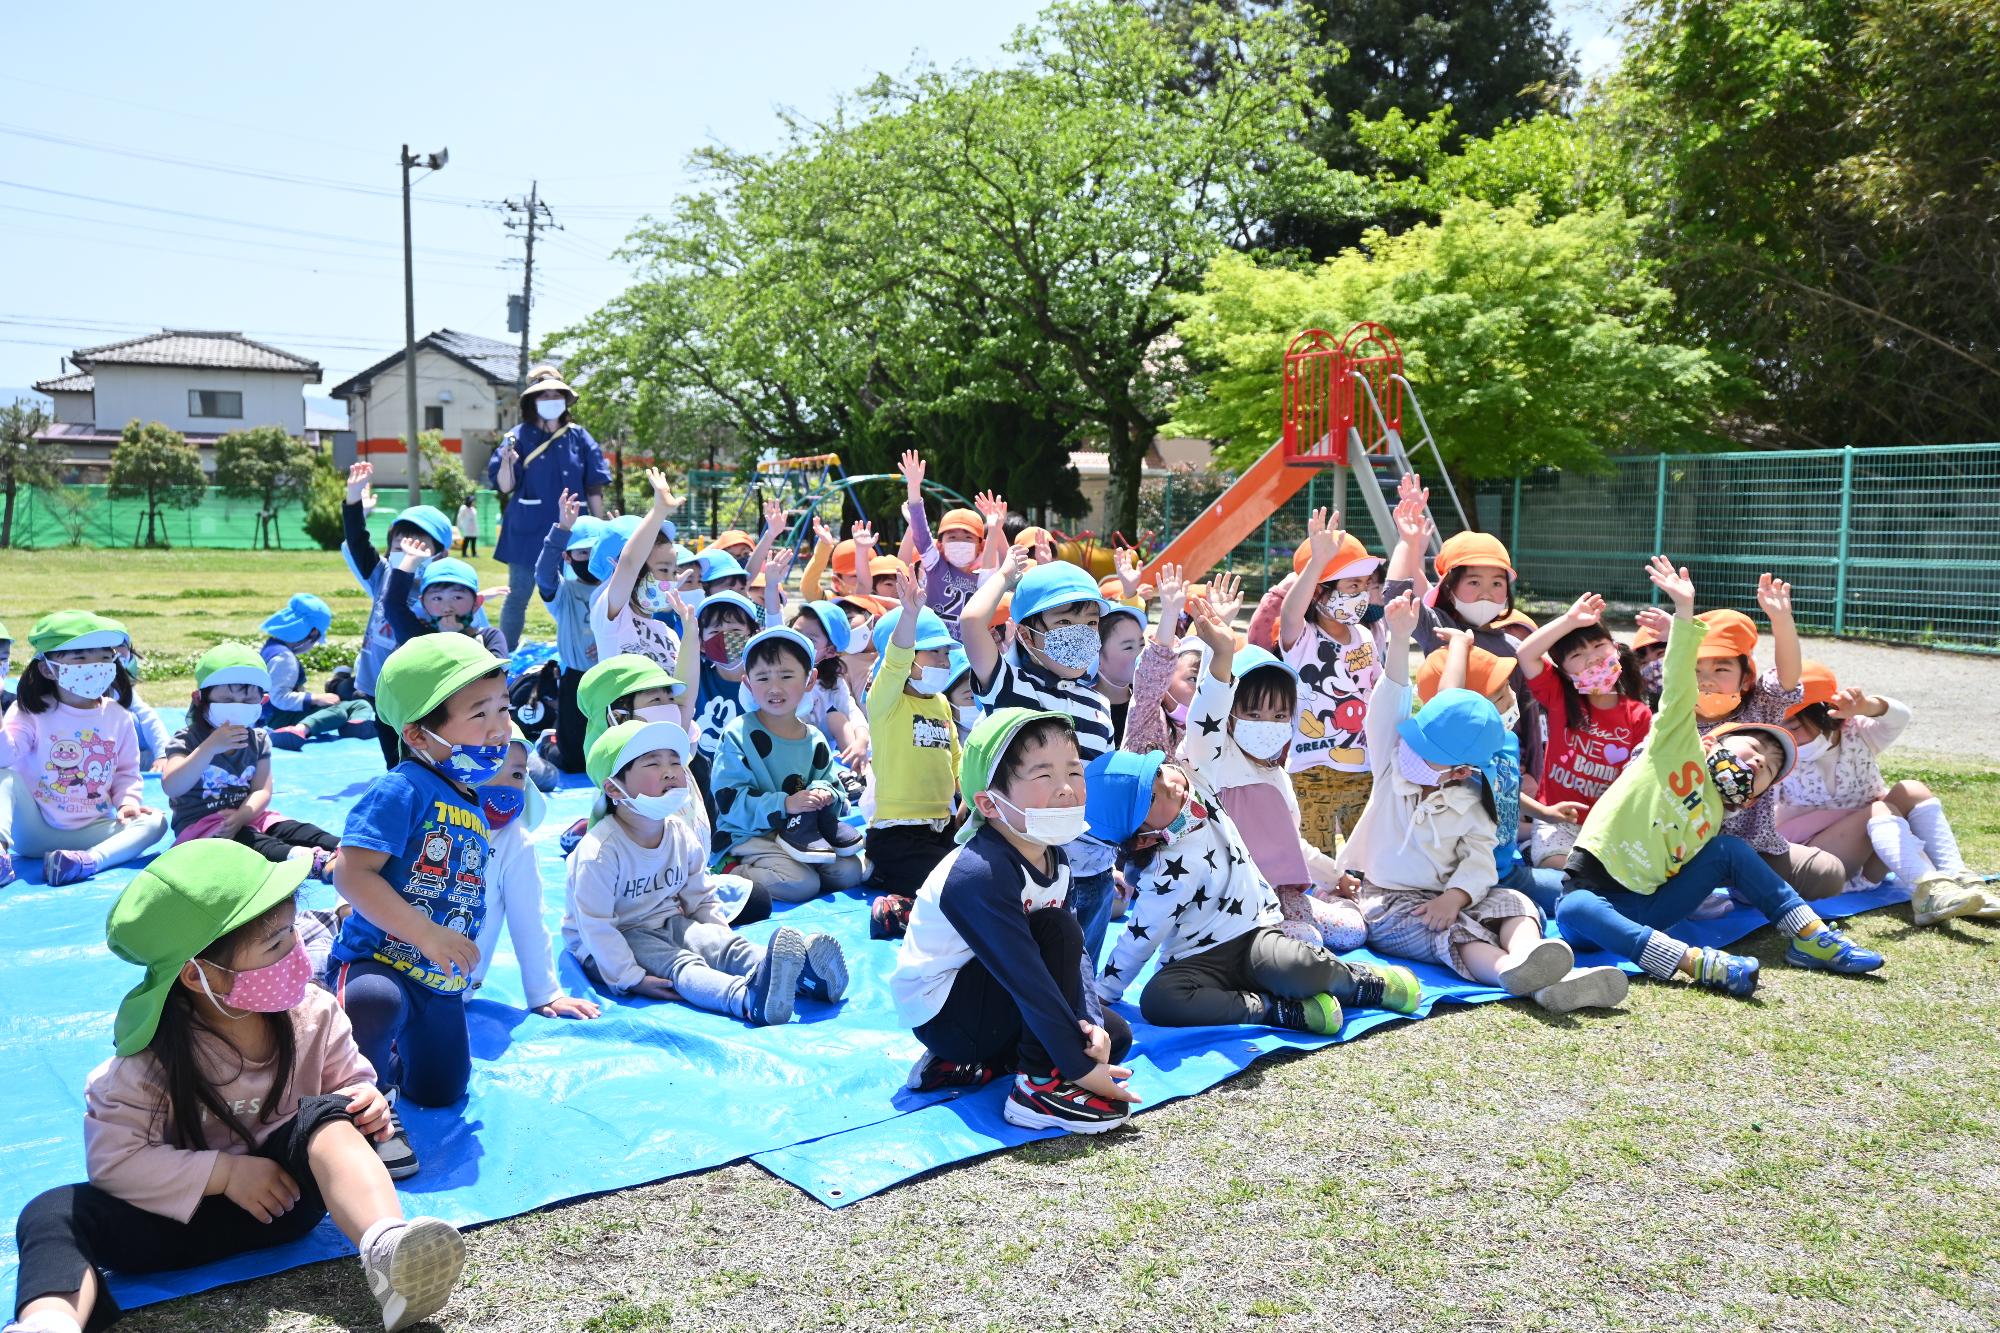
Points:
point(473, 418)
point(160, 393)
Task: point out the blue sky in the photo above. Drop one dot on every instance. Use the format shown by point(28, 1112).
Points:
point(115, 222)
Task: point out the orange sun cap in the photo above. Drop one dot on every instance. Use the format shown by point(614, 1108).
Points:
point(843, 559)
point(734, 537)
point(1730, 634)
point(883, 565)
point(1473, 548)
point(1031, 536)
point(1645, 638)
point(1351, 561)
point(1485, 673)
point(1820, 686)
point(967, 521)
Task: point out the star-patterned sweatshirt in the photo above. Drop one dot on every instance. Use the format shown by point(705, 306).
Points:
point(1201, 891)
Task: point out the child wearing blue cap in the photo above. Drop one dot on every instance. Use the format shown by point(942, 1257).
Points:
point(725, 624)
point(447, 594)
point(1051, 667)
point(634, 558)
point(778, 801)
point(1424, 844)
point(422, 530)
point(829, 703)
point(1201, 903)
point(916, 773)
point(566, 585)
point(293, 713)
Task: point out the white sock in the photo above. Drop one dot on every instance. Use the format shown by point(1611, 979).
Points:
point(374, 1234)
point(1928, 822)
point(1899, 849)
point(51, 1321)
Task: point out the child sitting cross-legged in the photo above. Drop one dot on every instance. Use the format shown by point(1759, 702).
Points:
point(778, 799)
point(916, 775)
point(235, 1115)
point(217, 774)
point(1653, 849)
point(640, 915)
point(1424, 846)
point(1201, 902)
point(990, 975)
point(292, 713)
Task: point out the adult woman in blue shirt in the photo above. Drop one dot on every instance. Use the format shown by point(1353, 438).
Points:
point(536, 462)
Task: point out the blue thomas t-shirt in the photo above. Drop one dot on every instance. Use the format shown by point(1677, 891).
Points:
point(436, 839)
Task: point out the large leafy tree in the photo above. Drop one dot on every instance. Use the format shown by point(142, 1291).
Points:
point(1531, 343)
point(155, 463)
point(955, 240)
point(25, 461)
point(269, 466)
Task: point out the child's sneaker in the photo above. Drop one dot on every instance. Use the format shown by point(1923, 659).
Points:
point(1940, 897)
point(7, 872)
point(1728, 972)
point(1827, 950)
point(846, 839)
point(889, 917)
point(1386, 986)
point(1716, 904)
point(288, 738)
point(1984, 885)
point(399, 1159)
point(359, 729)
point(323, 864)
point(825, 973)
point(573, 835)
point(66, 867)
point(1056, 1103)
point(803, 842)
point(930, 1074)
point(1545, 965)
point(767, 1000)
point(1584, 988)
point(411, 1268)
point(1315, 1013)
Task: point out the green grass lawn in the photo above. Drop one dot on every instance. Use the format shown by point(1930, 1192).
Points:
point(1817, 1158)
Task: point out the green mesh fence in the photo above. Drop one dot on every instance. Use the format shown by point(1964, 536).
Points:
point(87, 516)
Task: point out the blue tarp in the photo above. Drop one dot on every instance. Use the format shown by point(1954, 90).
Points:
point(559, 1109)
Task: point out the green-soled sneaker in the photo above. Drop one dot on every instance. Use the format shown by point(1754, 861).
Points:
point(1386, 986)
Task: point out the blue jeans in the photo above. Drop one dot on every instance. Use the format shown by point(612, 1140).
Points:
point(1543, 887)
point(1623, 921)
point(520, 592)
point(414, 1036)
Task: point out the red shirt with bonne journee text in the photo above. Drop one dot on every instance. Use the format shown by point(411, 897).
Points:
point(1580, 764)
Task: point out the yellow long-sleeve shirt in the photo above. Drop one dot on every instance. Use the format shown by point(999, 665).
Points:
point(916, 744)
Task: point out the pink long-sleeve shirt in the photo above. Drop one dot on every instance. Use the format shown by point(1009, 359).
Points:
point(80, 764)
point(126, 1146)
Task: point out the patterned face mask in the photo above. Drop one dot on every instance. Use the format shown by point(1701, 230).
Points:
point(725, 647)
point(1072, 647)
point(86, 680)
point(1262, 740)
point(500, 805)
point(1736, 784)
point(470, 764)
point(1714, 704)
point(266, 990)
point(1654, 673)
point(1416, 770)
point(1599, 677)
point(1343, 608)
point(652, 596)
point(1192, 817)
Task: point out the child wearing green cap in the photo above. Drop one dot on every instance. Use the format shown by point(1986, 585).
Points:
point(217, 769)
point(413, 865)
point(235, 1115)
point(642, 915)
point(989, 975)
point(69, 756)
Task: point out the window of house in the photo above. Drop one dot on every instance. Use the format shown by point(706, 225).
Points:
point(434, 418)
point(215, 403)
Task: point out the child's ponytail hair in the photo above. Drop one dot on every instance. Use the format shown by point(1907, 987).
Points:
point(1631, 684)
point(187, 1091)
point(38, 687)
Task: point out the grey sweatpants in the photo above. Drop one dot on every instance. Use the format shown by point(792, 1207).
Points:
point(24, 832)
point(708, 964)
point(1226, 984)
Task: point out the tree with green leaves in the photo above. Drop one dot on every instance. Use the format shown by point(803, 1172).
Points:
point(267, 465)
point(1531, 342)
point(25, 461)
point(444, 472)
point(155, 463)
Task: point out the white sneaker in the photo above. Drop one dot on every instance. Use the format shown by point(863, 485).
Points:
point(1940, 897)
point(1546, 964)
point(411, 1269)
point(1585, 988)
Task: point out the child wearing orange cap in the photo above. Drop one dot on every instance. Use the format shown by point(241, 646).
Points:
point(1595, 704)
point(1734, 692)
point(1649, 650)
point(1837, 801)
point(951, 562)
point(1474, 591)
point(1321, 636)
point(828, 556)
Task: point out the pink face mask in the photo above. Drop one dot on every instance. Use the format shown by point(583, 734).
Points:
point(1600, 677)
point(267, 990)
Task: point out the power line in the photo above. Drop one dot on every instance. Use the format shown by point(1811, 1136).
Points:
point(533, 212)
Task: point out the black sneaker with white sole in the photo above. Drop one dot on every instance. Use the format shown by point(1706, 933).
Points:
point(931, 1074)
point(768, 999)
point(825, 973)
point(399, 1159)
point(1056, 1103)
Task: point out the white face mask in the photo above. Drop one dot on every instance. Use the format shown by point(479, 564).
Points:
point(1344, 608)
point(658, 713)
point(1262, 740)
point(931, 680)
point(1415, 769)
point(234, 715)
point(968, 715)
point(1814, 748)
point(960, 554)
point(1478, 613)
point(548, 409)
point(1048, 826)
point(86, 680)
point(1511, 718)
point(662, 806)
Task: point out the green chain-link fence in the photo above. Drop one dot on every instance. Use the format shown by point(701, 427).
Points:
point(88, 516)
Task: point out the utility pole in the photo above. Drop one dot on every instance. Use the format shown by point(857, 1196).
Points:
point(434, 162)
point(534, 213)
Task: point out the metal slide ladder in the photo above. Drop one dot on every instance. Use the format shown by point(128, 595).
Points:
point(1375, 432)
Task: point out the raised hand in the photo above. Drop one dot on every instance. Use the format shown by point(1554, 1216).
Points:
point(912, 468)
point(990, 504)
point(821, 532)
point(1173, 596)
point(1211, 628)
point(1656, 622)
point(1400, 615)
point(1585, 610)
point(1323, 537)
point(1413, 512)
point(1013, 565)
point(1126, 561)
point(775, 517)
point(1045, 552)
point(910, 592)
point(1677, 584)
point(776, 565)
point(568, 508)
point(864, 541)
point(358, 478)
point(1852, 701)
point(1225, 594)
point(1774, 597)
point(665, 502)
